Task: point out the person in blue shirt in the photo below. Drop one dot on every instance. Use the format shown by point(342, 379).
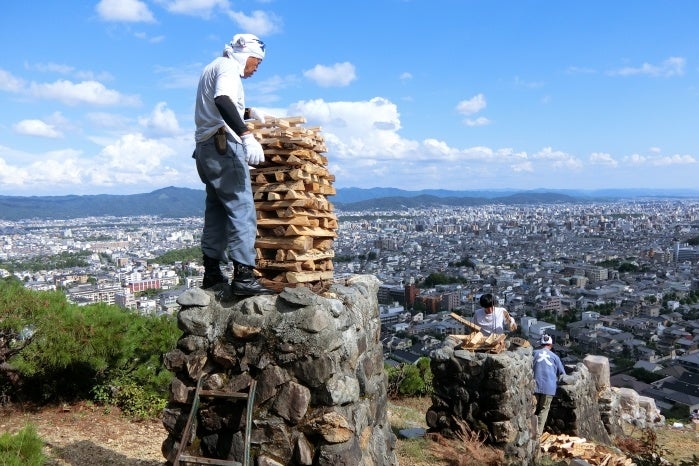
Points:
point(547, 369)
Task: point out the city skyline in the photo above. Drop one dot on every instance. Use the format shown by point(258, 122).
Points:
point(98, 96)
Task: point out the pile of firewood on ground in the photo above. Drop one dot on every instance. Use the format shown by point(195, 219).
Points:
point(565, 447)
point(296, 226)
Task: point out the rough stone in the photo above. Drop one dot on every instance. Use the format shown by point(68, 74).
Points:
point(194, 297)
point(318, 366)
point(599, 368)
point(292, 402)
point(490, 393)
point(575, 408)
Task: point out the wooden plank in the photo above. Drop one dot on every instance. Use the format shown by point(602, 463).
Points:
point(269, 222)
point(283, 160)
point(283, 204)
point(321, 244)
point(290, 266)
point(294, 230)
point(280, 187)
point(312, 213)
point(304, 277)
point(298, 243)
point(314, 255)
point(466, 322)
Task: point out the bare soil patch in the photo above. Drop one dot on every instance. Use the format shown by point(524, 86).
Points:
point(89, 435)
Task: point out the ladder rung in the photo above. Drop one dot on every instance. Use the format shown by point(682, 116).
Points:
point(222, 394)
point(205, 460)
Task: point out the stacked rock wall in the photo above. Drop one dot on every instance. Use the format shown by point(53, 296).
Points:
point(318, 364)
point(492, 393)
point(575, 409)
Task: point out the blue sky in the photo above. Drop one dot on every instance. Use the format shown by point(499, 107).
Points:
point(97, 96)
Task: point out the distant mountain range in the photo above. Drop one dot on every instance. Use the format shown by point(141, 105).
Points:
point(184, 202)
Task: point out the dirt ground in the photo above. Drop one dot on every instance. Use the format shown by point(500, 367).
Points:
point(88, 435)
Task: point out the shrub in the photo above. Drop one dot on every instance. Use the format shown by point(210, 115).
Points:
point(409, 379)
point(22, 449)
point(74, 349)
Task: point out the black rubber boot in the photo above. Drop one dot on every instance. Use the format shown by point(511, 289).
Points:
point(245, 283)
point(212, 273)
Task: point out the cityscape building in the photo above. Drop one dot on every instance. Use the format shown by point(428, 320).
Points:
point(616, 278)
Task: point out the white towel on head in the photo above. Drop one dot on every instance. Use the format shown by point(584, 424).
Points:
point(243, 46)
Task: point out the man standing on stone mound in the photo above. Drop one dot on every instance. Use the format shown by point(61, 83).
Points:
point(224, 149)
point(547, 369)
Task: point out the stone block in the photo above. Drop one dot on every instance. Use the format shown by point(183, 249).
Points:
point(599, 368)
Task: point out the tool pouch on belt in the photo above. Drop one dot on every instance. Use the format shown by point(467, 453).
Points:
point(220, 141)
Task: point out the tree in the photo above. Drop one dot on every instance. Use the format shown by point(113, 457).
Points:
point(72, 349)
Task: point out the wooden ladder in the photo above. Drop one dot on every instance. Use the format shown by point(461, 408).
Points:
point(187, 435)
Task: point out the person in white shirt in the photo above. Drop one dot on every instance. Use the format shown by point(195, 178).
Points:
point(492, 319)
point(225, 148)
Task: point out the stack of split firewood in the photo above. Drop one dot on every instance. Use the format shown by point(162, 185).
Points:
point(296, 225)
point(476, 341)
point(565, 447)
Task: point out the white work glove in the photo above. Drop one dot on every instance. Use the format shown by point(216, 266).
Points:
point(258, 114)
point(254, 154)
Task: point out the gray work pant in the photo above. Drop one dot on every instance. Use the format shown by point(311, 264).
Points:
point(230, 223)
point(543, 404)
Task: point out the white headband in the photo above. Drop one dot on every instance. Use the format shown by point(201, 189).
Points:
point(248, 45)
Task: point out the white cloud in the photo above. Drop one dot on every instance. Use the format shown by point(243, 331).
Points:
point(365, 147)
point(11, 175)
point(580, 70)
point(673, 66)
point(480, 121)
point(161, 122)
point(473, 105)
point(676, 159)
point(148, 38)
point(405, 76)
point(57, 169)
point(260, 22)
point(59, 68)
point(656, 161)
point(634, 159)
point(602, 158)
point(36, 128)
point(130, 11)
point(202, 8)
point(89, 92)
point(522, 167)
point(519, 82)
point(181, 77)
point(364, 129)
point(10, 83)
point(557, 159)
point(337, 75)
point(131, 159)
point(107, 120)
